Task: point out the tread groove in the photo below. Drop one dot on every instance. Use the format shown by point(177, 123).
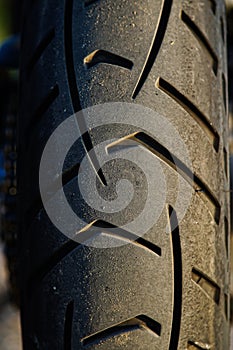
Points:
point(67, 176)
point(226, 306)
point(213, 6)
point(196, 345)
point(117, 232)
point(161, 152)
point(70, 174)
point(68, 326)
point(89, 2)
point(40, 49)
point(226, 227)
point(224, 91)
point(140, 322)
point(176, 164)
point(225, 154)
point(155, 46)
point(52, 261)
point(103, 56)
point(45, 104)
point(177, 269)
point(71, 245)
point(207, 285)
point(74, 93)
point(190, 108)
point(202, 39)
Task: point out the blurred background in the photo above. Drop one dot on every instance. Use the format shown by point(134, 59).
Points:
point(9, 316)
point(10, 10)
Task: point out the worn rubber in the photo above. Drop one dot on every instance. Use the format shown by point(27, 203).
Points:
point(166, 291)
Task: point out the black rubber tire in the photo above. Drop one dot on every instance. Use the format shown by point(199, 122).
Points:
point(78, 297)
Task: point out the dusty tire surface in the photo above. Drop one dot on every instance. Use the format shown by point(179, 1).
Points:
point(166, 290)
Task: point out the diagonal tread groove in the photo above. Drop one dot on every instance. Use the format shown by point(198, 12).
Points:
point(176, 164)
point(197, 345)
point(71, 245)
point(89, 2)
point(207, 285)
point(155, 46)
point(67, 176)
point(74, 93)
point(213, 6)
point(202, 39)
point(48, 100)
point(160, 151)
point(45, 104)
point(140, 322)
point(103, 56)
point(189, 107)
point(117, 232)
point(40, 49)
point(52, 261)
